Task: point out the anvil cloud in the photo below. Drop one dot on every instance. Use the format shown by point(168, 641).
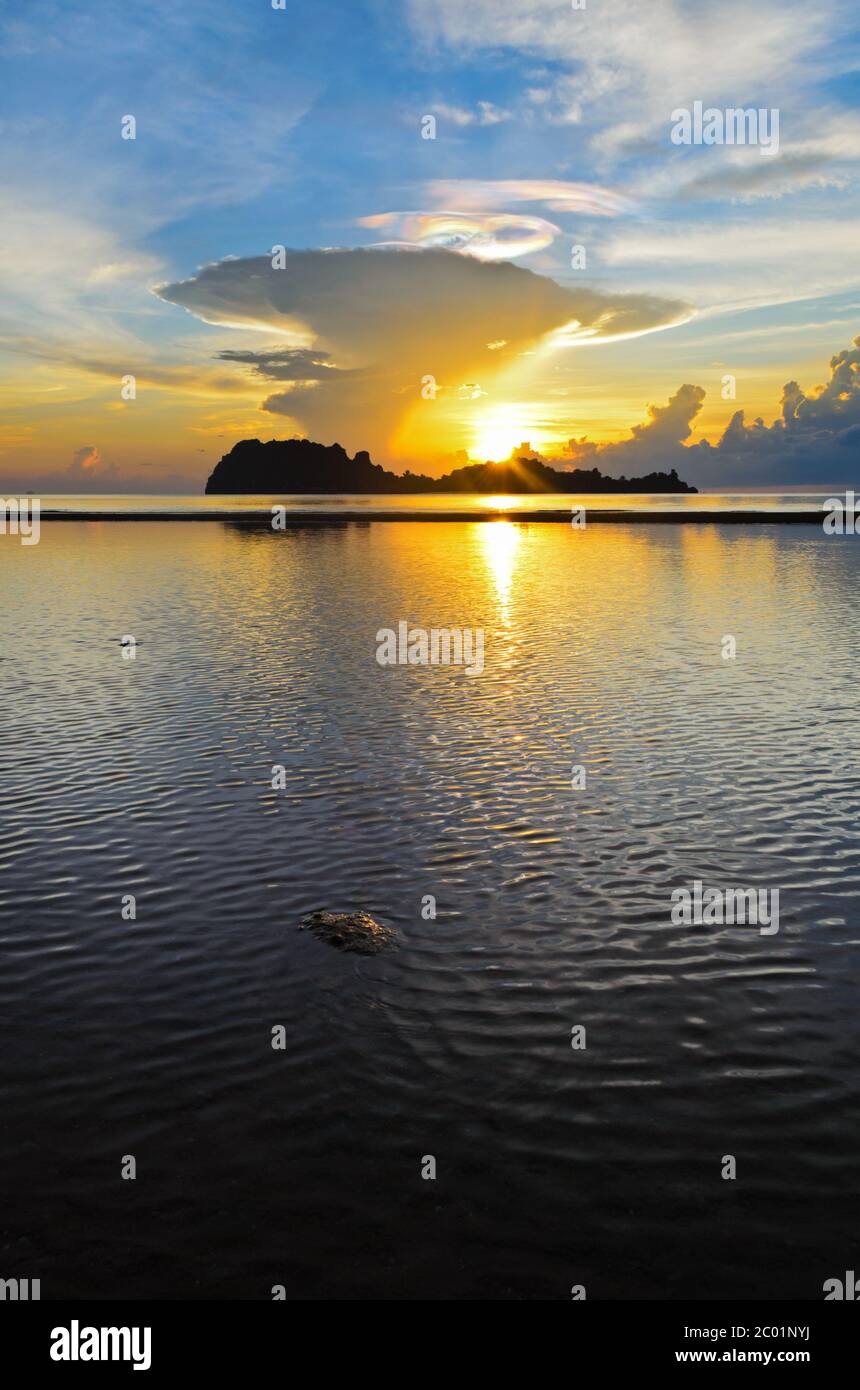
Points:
point(389, 318)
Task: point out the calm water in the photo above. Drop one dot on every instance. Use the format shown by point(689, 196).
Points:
point(356, 504)
point(302, 1167)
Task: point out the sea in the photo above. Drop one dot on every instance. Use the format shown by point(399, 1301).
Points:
point(548, 1084)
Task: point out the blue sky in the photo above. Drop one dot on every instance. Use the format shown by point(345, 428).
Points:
point(302, 127)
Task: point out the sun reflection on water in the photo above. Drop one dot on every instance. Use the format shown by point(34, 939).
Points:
point(501, 540)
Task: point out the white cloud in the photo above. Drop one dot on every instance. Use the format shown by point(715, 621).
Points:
point(743, 263)
point(484, 114)
point(633, 62)
point(64, 276)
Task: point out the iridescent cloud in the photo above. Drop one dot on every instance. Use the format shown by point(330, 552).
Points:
point(489, 236)
point(560, 195)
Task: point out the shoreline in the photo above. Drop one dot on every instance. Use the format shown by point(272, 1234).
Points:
point(601, 516)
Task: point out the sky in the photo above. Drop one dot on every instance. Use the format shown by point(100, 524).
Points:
point(432, 229)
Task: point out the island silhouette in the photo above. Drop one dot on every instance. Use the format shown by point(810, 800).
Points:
point(285, 467)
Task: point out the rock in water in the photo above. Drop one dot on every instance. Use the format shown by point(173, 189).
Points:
point(350, 931)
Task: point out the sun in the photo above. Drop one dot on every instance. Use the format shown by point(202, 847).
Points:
point(496, 444)
point(498, 433)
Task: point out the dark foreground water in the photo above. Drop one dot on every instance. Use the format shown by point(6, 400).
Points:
point(302, 1167)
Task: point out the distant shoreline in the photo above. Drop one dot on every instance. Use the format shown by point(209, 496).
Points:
point(296, 466)
point(601, 515)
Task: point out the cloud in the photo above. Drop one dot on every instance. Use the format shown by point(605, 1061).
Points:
point(88, 471)
point(560, 195)
point(174, 377)
point(46, 482)
point(171, 71)
point(743, 181)
point(490, 237)
point(390, 318)
point(744, 262)
point(637, 62)
point(286, 364)
point(655, 444)
point(100, 272)
point(85, 462)
point(822, 149)
point(472, 216)
point(485, 114)
point(76, 211)
point(814, 440)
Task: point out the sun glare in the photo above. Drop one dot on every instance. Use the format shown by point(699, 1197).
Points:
point(495, 443)
point(499, 434)
point(501, 540)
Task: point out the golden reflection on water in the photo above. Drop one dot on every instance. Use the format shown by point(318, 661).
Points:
point(606, 589)
point(501, 541)
point(498, 503)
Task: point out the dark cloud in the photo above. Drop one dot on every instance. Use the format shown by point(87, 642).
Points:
point(815, 439)
point(287, 364)
point(656, 444)
point(762, 179)
point(369, 298)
